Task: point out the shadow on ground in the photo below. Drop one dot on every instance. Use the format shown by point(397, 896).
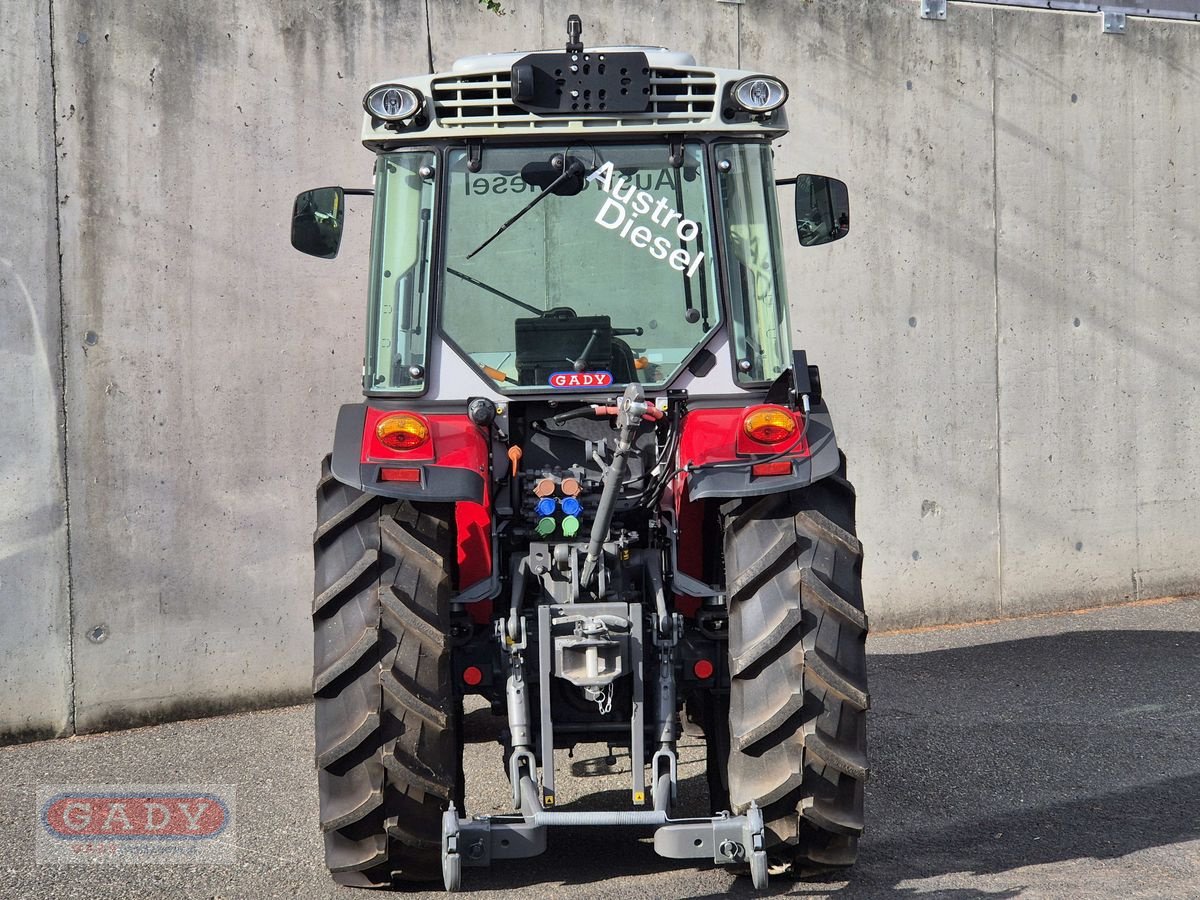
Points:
point(1031, 752)
point(986, 759)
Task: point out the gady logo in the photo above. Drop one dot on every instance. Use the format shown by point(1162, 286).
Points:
point(580, 379)
point(121, 815)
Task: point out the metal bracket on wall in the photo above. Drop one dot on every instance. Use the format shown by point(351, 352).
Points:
point(933, 9)
point(1112, 22)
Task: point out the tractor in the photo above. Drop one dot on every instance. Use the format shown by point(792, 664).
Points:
point(591, 481)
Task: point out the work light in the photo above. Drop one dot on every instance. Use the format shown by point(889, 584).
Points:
point(392, 102)
point(760, 94)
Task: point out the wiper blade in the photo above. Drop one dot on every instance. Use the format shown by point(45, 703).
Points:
point(573, 168)
point(495, 291)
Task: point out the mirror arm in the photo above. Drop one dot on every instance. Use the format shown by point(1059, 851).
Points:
point(359, 192)
point(780, 182)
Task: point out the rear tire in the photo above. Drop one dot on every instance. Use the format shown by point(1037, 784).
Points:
point(797, 661)
point(388, 727)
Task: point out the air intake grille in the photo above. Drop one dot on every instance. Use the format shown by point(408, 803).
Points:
point(471, 101)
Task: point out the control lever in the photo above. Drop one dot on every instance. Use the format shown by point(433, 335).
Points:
point(580, 364)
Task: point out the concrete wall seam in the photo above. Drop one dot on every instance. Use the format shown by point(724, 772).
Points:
point(62, 351)
point(996, 335)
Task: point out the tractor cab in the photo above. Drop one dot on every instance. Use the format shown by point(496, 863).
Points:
point(552, 239)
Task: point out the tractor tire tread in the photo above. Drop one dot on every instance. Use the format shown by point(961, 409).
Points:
point(388, 726)
point(355, 572)
point(366, 642)
point(798, 689)
point(346, 514)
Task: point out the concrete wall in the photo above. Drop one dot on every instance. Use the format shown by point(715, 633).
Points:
point(1098, 264)
point(35, 631)
point(901, 315)
point(205, 358)
point(1007, 337)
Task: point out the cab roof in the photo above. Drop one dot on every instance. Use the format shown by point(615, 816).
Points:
point(474, 100)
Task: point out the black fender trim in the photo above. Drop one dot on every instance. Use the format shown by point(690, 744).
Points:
point(823, 461)
point(347, 444)
point(438, 484)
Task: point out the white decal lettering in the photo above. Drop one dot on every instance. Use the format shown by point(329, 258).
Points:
point(621, 185)
point(616, 207)
point(151, 808)
point(193, 821)
point(623, 205)
point(605, 173)
point(580, 379)
point(77, 816)
point(113, 811)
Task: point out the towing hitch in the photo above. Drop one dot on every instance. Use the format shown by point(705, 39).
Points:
point(474, 842)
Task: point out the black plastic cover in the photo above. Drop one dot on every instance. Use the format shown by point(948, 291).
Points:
point(560, 83)
point(555, 341)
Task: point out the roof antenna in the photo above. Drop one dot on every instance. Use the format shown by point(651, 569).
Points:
point(574, 34)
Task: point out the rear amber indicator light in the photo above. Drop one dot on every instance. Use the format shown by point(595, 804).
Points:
point(409, 475)
point(782, 467)
point(769, 425)
point(402, 431)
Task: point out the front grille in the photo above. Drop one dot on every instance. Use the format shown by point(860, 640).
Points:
point(677, 96)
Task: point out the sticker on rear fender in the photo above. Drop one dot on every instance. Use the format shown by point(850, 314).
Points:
point(581, 379)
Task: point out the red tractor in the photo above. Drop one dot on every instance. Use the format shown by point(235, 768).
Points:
point(591, 481)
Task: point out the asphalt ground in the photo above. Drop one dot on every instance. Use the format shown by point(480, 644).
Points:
point(1045, 757)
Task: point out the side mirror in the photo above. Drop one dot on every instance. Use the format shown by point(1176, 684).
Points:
point(317, 218)
point(822, 210)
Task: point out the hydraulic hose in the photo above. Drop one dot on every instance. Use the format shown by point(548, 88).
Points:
point(630, 411)
point(608, 501)
point(520, 568)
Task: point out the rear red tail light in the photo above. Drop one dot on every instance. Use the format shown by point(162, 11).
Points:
point(780, 467)
point(472, 675)
point(409, 475)
point(702, 668)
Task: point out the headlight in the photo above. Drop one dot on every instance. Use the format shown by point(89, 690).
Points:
point(760, 93)
point(392, 102)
